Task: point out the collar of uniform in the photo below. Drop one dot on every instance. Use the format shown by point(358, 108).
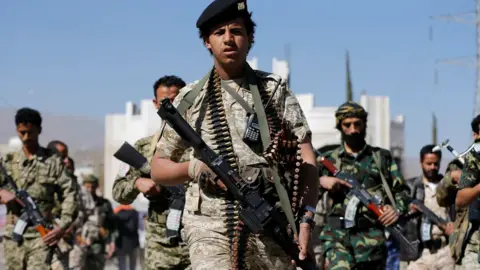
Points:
point(235, 84)
point(477, 140)
point(41, 155)
point(365, 150)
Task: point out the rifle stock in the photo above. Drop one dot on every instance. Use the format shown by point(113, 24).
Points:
point(369, 201)
point(256, 213)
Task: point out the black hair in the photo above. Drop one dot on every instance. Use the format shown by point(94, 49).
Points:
point(168, 81)
point(250, 26)
point(28, 116)
point(72, 162)
point(428, 149)
point(53, 145)
point(475, 124)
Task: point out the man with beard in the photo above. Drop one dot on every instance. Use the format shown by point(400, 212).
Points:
point(435, 253)
point(224, 108)
point(362, 246)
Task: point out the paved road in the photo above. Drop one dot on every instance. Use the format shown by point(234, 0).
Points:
point(112, 265)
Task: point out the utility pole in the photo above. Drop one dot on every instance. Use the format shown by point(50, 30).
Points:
point(287, 57)
point(467, 18)
point(349, 87)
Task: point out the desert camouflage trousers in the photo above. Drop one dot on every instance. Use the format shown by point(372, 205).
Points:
point(208, 244)
point(440, 260)
point(66, 249)
point(29, 255)
point(159, 253)
point(83, 258)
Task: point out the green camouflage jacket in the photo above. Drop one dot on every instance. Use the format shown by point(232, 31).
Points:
point(470, 178)
point(367, 244)
point(124, 190)
point(42, 176)
point(447, 189)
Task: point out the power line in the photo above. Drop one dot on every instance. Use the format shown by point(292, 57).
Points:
point(465, 18)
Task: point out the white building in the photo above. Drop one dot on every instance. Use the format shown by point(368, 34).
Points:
point(138, 123)
point(14, 144)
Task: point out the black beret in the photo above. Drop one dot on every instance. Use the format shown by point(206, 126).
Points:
point(222, 10)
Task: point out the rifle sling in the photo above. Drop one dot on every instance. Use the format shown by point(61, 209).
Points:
point(376, 159)
point(265, 134)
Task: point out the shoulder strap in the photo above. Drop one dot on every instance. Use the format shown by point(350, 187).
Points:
point(265, 134)
point(259, 109)
point(190, 97)
point(376, 159)
point(239, 99)
point(153, 143)
point(338, 161)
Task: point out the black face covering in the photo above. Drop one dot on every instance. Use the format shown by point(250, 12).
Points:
point(354, 140)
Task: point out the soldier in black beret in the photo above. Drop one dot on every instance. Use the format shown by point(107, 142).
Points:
point(222, 106)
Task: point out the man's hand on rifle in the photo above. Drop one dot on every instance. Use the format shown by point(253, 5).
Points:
point(447, 228)
point(389, 215)
point(53, 236)
point(6, 196)
point(147, 186)
point(197, 170)
point(328, 182)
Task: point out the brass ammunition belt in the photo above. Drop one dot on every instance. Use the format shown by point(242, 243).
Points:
point(216, 121)
point(284, 149)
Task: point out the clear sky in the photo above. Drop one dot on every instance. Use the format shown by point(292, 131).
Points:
point(90, 57)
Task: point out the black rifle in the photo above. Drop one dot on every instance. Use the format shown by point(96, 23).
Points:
point(429, 214)
point(31, 216)
point(176, 196)
point(369, 201)
point(256, 213)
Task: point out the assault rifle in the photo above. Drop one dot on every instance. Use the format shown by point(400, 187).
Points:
point(256, 213)
point(31, 216)
point(440, 222)
point(176, 198)
point(368, 200)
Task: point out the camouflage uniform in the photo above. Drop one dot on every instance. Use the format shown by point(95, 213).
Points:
point(78, 255)
point(206, 215)
point(446, 194)
point(159, 252)
point(470, 178)
point(346, 247)
point(66, 244)
point(41, 176)
point(363, 245)
point(98, 230)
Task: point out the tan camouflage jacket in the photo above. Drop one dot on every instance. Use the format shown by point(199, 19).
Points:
point(42, 176)
point(249, 162)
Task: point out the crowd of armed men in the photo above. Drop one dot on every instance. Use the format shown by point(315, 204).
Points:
point(233, 182)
